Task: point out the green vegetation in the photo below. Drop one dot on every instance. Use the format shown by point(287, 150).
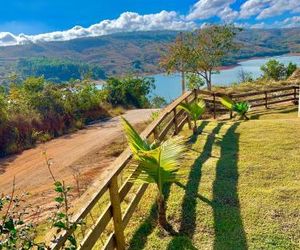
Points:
point(194, 110)
point(241, 108)
point(157, 163)
point(200, 52)
point(236, 194)
point(129, 91)
point(37, 110)
point(17, 232)
point(58, 70)
point(275, 70)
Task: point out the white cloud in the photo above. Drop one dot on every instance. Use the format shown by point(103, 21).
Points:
point(228, 15)
point(128, 21)
point(205, 9)
point(263, 9)
point(171, 20)
point(289, 22)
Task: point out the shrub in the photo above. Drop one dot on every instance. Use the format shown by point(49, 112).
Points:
point(37, 110)
point(129, 91)
point(275, 70)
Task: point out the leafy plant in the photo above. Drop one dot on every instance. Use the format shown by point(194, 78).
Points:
point(195, 110)
point(61, 220)
point(239, 107)
point(15, 233)
point(158, 164)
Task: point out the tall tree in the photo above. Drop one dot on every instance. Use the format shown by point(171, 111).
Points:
point(177, 58)
point(211, 45)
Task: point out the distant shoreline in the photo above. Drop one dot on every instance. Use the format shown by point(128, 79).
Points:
point(253, 58)
point(227, 67)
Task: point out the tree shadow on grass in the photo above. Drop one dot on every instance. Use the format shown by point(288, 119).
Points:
point(139, 239)
point(193, 138)
point(229, 230)
point(189, 204)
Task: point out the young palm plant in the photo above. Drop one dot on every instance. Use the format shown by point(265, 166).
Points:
point(157, 164)
point(239, 107)
point(195, 110)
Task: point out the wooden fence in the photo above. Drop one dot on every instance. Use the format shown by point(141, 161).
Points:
point(105, 215)
point(96, 217)
point(256, 99)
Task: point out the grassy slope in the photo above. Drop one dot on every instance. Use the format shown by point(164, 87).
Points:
point(241, 191)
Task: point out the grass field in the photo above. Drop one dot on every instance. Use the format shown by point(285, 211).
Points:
point(241, 190)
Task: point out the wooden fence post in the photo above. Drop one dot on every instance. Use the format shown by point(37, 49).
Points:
point(214, 99)
point(295, 95)
point(266, 99)
point(116, 213)
point(175, 122)
point(230, 111)
point(188, 117)
point(156, 134)
point(196, 94)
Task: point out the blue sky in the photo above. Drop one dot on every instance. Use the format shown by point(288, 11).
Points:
point(48, 20)
point(37, 16)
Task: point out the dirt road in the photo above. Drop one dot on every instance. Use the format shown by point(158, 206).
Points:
point(78, 152)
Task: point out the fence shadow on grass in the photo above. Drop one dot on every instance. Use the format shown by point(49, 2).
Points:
point(139, 239)
point(189, 204)
point(228, 224)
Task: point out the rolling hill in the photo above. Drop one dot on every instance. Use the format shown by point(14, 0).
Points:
point(139, 52)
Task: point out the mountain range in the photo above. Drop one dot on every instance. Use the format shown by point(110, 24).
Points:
point(139, 52)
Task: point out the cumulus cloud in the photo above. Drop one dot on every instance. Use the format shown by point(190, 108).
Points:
point(171, 20)
point(260, 9)
point(205, 9)
point(290, 22)
point(128, 21)
point(263, 9)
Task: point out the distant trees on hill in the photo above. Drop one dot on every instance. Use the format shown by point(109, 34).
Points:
point(58, 70)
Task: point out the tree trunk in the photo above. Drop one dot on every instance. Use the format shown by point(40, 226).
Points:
point(183, 82)
point(162, 218)
point(209, 81)
point(195, 128)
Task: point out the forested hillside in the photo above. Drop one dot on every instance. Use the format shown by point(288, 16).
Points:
point(136, 52)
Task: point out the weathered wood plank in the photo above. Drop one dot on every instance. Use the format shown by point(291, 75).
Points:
point(110, 243)
point(116, 213)
point(135, 201)
point(95, 231)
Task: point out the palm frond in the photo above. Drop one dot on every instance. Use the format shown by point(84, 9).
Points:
point(194, 109)
point(136, 143)
point(161, 165)
point(241, 107)
point(227, 102)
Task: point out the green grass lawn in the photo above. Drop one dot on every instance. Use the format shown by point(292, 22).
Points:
point(241, 190)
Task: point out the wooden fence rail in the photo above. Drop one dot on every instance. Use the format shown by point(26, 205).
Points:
point(170, 121)
point(256, 98)
point(108, 210)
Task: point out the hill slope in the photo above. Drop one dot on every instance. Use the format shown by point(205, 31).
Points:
point(139, 51)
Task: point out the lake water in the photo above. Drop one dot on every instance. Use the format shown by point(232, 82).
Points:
point(169, 86)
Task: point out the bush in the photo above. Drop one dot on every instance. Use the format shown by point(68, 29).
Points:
point(275, 70)
point(158, 102)
point(129, 91)
point(38, 110)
